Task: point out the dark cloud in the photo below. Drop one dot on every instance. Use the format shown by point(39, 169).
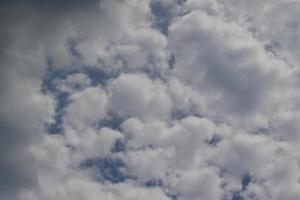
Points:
point(16, 165)
point(53, 5)
point(24, 24)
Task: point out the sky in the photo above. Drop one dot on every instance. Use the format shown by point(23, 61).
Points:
point(150, 99)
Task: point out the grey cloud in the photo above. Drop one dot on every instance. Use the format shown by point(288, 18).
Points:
point(227, 108)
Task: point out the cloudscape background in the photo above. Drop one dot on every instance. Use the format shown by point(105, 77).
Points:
point(150, 99)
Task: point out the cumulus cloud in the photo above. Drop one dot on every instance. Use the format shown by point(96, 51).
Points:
point(137, 95)
point(128, 99)
point(222, 61)
point(85, 107)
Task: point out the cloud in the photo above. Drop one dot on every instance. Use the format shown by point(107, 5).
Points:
point(137, 95)
point(216, 59)
point(72, 83)
point(85, 107)
point(129, 99)
point(203, 184)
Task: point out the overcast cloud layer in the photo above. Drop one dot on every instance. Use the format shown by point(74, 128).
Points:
point(150, 99)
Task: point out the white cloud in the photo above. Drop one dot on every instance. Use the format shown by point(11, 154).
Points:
point(127, 32)
point(272, 24)
point(227, 67)
point(137, 95)
point(200, 184)
point(186, 110)
point(86, 106)
point(150, 164)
